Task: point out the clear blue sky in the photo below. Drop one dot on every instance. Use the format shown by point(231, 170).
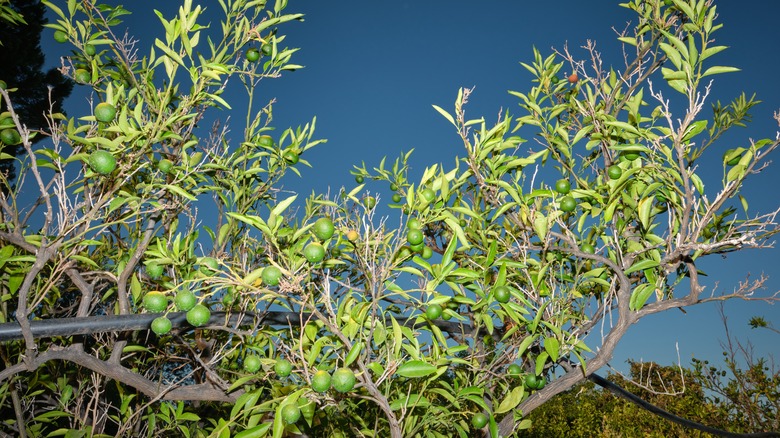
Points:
point(373, 69)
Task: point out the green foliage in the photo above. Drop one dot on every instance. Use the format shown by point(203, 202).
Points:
point(428, 342)
point(732, 399)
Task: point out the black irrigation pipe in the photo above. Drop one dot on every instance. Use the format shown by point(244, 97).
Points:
point(48, 328)
point(57, 327)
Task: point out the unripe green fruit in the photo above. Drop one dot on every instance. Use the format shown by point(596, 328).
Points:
point(155, 302)
point(161, 325)
point(102, 162)
point(320, 381)
point(479, 420)
point(198, 315)
point(415, 236)
point(271, 275)
point(283, 367)
point(185, 300)
point(343, 380)
point(562, 186)
point(252, 54)
point(502, 294)
point(291, 413)
point(252, 363)
point(614, 172)
point(10, 136)
point(105, 112)
point(433, 311)
point(154, 270)
point(165, 165)
point(82, 76)
point(60, 36)
point(314, 252)
point(323, 228)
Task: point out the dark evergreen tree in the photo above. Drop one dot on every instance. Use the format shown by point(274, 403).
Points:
point(22, 69)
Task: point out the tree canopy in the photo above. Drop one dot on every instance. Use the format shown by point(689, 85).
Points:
point(482, 294)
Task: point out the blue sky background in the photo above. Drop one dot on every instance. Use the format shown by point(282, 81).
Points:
point(374, 68)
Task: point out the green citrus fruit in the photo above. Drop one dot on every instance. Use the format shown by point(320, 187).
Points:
point(554, 79)
point(428, 195)
point(587, 248)
point(479, 420)
point(393, 186)
point(568, 204)
point(514, 370)
point(630, 155)
point(60, 36)
point(359, 179)
point(102, 162)
point(562, 186)
point(252, 54)
point(343, 380)
point(433, 311)
point(291, 157)
point(320, 381)
point(10, 136)
point(154, 270)
point(209, 264)
point(314, 252)
point(291, 413)
point(396, 198)
point(731, 157)
point(165, 165)
point(105, 112)
point(267, 49)
point(265, 141)
point(271, 275)
point(323, 228)
point(89, 49)
point(161, 325)
point(427, 253)
point(414, 236)
point(283, 367)
point(155, 302)
point(413, 223)
point(198, 315)
point(404, 252)
point(185, 300)
point(252, 363)
point(369, 202)
point(614, 171)
point(502, 294)
point(532, 381)
point(82, 76)
point(540, 383)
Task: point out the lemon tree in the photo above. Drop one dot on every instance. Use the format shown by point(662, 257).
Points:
point(458, 319)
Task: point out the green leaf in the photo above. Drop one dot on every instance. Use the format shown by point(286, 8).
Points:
point(642, 265)
point(354, 352)
point(445, 114)
point(718, 69)
point(552, 347)
point(640, 295)
point(416, 369)
point(254, 432)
